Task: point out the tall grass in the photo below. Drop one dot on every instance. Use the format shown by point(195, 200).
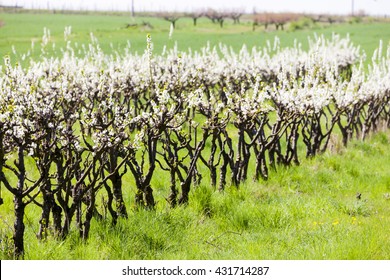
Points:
point(309, 211)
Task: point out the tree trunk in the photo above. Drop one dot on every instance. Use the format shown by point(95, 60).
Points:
point(18, 236)
point(185, 190)
point(110, 198)
point(19, 207)
point(116, 181)
point(212, 167)
point(48, 202)
point(149, 199)
point(172, 198)
point(89, 214)
point(57, 218)
point(44, 221)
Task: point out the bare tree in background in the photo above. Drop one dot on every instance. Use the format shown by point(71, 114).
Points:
point(236, 15)
point(327, 18)
point(196, 15)
point(216, 16)
point(279, 20)
point(171, 17)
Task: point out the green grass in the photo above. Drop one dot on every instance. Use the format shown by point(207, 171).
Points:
point(305, 212)
point(302, 212)
point(20, 29)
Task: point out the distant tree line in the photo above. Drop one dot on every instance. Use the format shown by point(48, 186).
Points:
point(217, 17)
point(278, 20)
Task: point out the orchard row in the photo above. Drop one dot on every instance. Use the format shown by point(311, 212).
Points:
point(72, 126)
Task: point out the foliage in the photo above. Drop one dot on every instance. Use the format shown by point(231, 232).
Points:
point(302, 23)
point(354, 20)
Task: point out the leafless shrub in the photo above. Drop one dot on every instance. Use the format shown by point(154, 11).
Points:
point(277, 19)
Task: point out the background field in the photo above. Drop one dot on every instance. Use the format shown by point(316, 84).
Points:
point(20, 30)
point(303, 212)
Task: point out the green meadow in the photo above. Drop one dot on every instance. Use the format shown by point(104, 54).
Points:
point(20, 30)
point(311, 211)
point(333, 206)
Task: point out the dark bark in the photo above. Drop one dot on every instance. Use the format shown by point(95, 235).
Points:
point(186, 183)
point(18, 236)
point(221, 20)
point(89, 214)
point(57, 218)
point(19, 207)
point(110, 199)
point(144, 195)
point(172, 198)
point(48, 202)
point(116, 181)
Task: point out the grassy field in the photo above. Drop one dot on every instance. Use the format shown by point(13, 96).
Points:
point(20, 30)
point(309, 211)
point(302, 212)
